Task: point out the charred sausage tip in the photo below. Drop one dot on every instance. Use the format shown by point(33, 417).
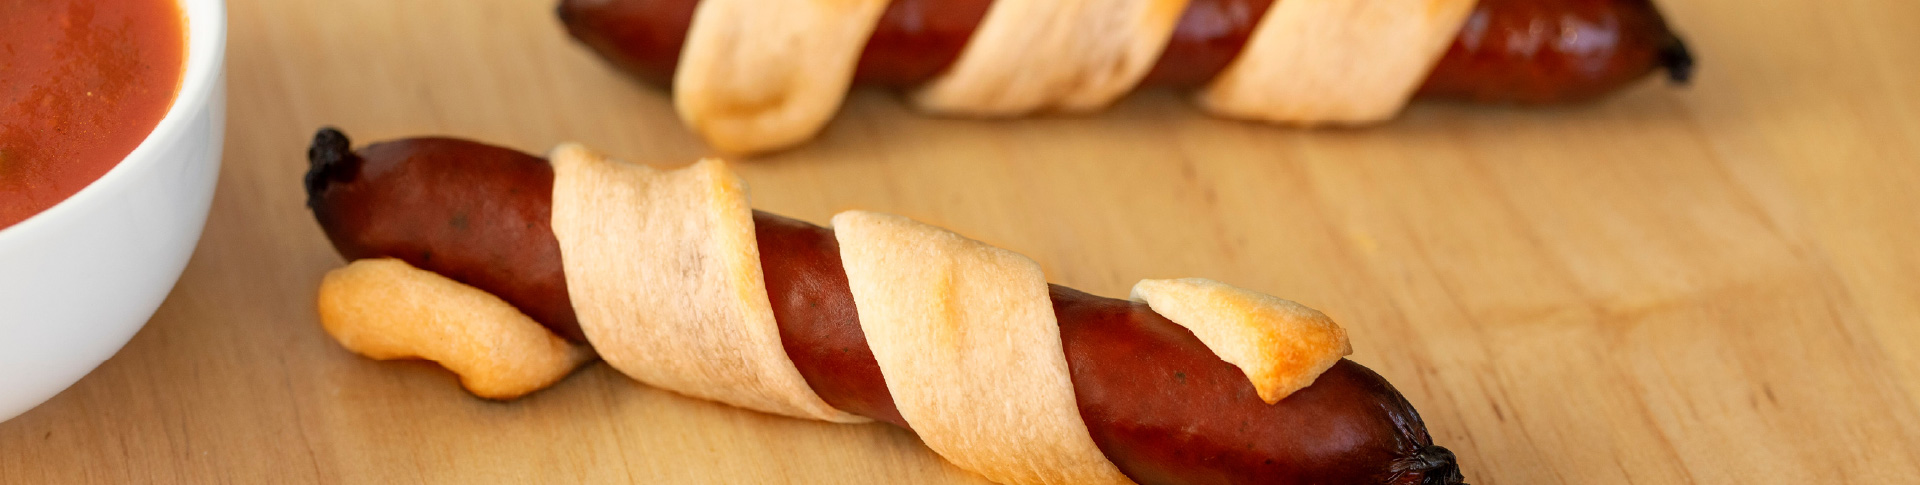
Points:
point(330, 158)
point(1432, 465)
point(1677, 60)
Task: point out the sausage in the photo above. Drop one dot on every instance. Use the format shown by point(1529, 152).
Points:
point(1519, 51)
point(1157, 401)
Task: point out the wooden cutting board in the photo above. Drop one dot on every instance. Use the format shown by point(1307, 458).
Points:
point(1718, 284)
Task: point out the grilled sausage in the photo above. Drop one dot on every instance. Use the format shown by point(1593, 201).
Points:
point(1158, 403)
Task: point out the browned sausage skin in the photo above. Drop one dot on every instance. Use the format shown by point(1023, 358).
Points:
point(1550, 51)
point(457, 214)
point(1524, 51)
point(1158, 403)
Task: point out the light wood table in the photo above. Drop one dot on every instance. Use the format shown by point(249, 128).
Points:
point(1718, 284)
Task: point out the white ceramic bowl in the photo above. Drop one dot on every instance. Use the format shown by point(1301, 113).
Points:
point(77, 280)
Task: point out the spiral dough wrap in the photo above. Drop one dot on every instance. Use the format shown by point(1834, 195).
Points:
point(665, 276)
point(758, 76)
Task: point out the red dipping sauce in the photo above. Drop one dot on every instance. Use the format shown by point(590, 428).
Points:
point(82, 82)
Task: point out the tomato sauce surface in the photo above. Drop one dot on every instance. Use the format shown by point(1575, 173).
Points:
point(82, 82)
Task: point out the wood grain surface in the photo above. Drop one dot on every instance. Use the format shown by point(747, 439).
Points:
point(1718, 284)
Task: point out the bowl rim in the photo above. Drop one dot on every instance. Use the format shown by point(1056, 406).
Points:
point(206, 31)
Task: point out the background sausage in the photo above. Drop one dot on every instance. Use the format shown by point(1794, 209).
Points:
point(1158, 403)
point(1527, 51)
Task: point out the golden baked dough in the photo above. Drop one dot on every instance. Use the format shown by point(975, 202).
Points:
point(386, 309)
point(758, 75)
point(1315, 62)
point(1281, 345)
point(1071, 55)
point(664, 273)
point(965, 335)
